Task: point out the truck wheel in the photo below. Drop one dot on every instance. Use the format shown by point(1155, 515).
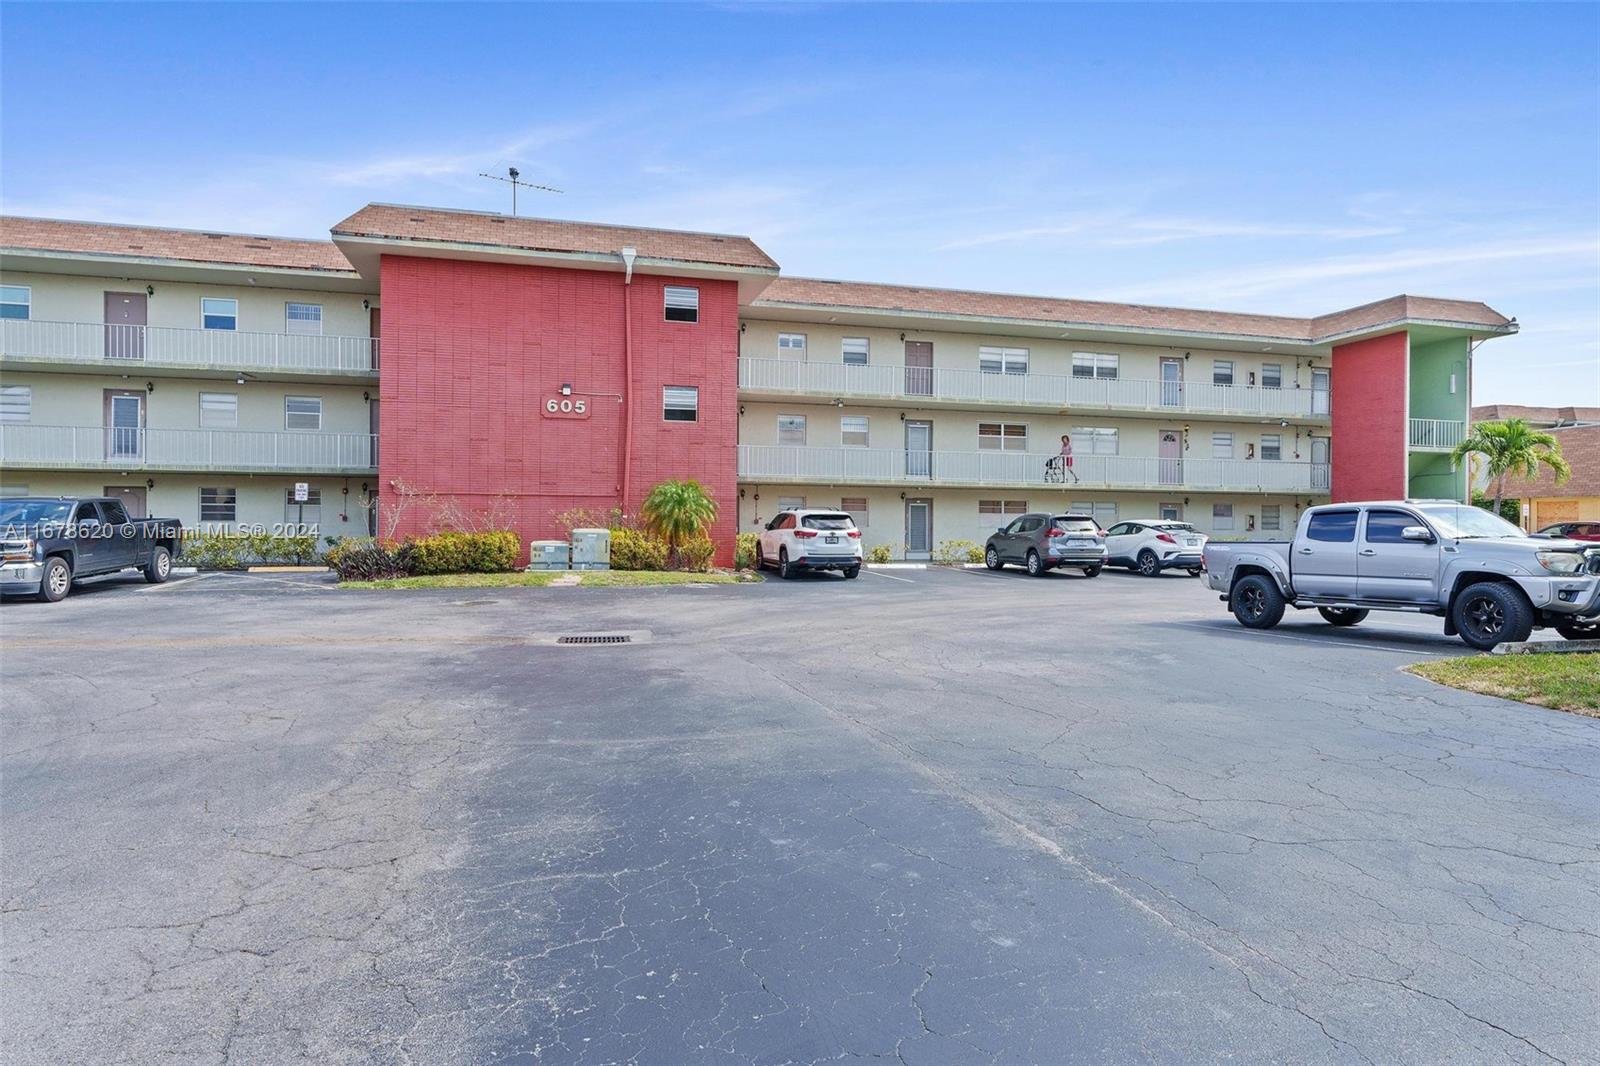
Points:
point(1149, 565)
point(1035, 564)
point(159, 568)
point(1342, 616)
point(56, 581)
point(1491, 613)
point(1256, 602)
point(1579, 630)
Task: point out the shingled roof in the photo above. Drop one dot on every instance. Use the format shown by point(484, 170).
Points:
point(869, 296)
point(1580, 447)
point(400, 223)
point(179, 245)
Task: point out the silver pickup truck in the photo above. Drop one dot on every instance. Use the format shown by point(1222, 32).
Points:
point(1486, 578)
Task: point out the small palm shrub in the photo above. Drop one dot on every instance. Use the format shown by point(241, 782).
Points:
point(679, 511)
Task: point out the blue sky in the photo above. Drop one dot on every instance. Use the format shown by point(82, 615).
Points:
point(1280, 158)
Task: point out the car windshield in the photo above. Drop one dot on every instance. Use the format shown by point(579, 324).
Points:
point(1071, 523)
point(826, 521)
point(33, 512)
point(1461, 521)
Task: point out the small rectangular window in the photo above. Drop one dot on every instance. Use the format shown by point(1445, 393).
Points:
point(1272, 375)
point(219, 410)
point(1222, 445)
point(1003, 508)
point(682, 303)
point(1095, 365)
point(791, 503)
point(1105, 514)
point(854, 351)
point(792, 342)
point(855, 431)
point(1271, 446)
point(307, 513)
point(16, 403)
point(16, 301)
point(1171, 512)
point(1094, 440)
point(303, 319)
point(302, 412)
point(218, 313)
point(1222, 516)
point(1222, 372)
point(1002, 436)
point(1271, 517)
point(791, 429)
point(856, 508)
point(1335, 527)
point(680, 403)
point(992, 360)
point(219, 504)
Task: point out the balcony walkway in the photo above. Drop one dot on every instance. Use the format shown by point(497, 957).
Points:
point(31, 447)
point(116, 347)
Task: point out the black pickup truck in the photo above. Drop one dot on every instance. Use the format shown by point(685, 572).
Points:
point(46, 543)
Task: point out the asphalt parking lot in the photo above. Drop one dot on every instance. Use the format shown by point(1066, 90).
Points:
point(925, 816)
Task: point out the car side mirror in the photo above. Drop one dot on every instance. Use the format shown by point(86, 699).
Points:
point(1000, 529)
point(1418, 533)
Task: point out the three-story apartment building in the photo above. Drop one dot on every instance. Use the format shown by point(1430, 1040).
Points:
point(535, 366)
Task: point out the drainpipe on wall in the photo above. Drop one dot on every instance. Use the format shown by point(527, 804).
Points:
point(628, 256)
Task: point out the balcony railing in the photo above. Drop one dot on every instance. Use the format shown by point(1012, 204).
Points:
point(118, 448)
point(92, 342)
point(1045, 390)
point(1437, 434)
point(850, 466)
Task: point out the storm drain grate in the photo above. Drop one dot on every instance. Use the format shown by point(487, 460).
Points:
point(596, 638)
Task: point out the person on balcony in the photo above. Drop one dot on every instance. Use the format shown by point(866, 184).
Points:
point(1060, 466)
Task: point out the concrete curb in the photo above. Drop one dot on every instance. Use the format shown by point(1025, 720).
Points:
point(286, 570)
point(1546, 647)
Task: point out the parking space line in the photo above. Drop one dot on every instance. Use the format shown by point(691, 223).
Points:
point(1225, 631)
point(891, 577)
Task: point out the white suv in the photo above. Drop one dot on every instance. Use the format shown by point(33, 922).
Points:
point(1153, 545)
point(810, 540)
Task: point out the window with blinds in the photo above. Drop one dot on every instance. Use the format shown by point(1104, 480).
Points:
point(302, 412)
point(1095, 365)
point(219, 504)
point(854, 351)
point(856, 508)
point(992, 360)
point(1094, 440)
point(1002, 436)
point(855, 431)
point(303, 319)
point(16, 403)
point(219, 410)
point(680, 403)
point(682, 303)
point(791, 429)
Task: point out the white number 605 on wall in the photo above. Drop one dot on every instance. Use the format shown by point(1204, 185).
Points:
point(566, 407)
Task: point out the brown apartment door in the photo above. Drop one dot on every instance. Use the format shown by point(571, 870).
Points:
point(126, 317)
point(919, 368)
point(132, 497)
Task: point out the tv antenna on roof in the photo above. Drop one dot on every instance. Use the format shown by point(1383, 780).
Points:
point(511, 180)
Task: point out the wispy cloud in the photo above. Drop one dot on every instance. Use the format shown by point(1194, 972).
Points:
point(1121, 230)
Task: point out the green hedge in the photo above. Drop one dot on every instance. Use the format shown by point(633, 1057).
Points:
point(464, 553)
point(956, 552)
point(633, 549)
point(235, 551)
point(744, 552)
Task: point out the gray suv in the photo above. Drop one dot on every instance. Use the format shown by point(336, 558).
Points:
point(1045, 541)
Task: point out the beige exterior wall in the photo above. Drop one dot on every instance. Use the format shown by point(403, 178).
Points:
point(1046, 356)
point(78, 400)
point(261, 497)
point(956, 516)
point(70, 298)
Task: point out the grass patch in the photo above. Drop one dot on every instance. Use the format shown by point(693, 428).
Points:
point(541, 578)
point(1563, 682)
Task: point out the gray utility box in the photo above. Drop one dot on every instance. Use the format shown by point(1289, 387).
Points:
point(591, 549)
point(547, 555)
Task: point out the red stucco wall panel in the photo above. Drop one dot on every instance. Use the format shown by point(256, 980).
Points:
point(1369, 418)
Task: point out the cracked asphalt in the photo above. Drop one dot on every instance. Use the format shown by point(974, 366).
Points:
point(920, 817)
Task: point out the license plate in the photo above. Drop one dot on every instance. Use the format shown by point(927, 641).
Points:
point(833, 540)
point(1192, 541)
point(1077, 544)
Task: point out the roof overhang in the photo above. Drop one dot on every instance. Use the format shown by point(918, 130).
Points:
point(365, 254)
point(145, 268)
point(1423, 330)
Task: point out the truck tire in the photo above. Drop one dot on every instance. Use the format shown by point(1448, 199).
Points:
point(1256, 602)
point(1149, 565)
point(1342, 616)
point(56, 581)
point(1490, 613)
point(159, 568)
point(1575, 630)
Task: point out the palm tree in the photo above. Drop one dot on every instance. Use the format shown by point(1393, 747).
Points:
point(1512, 447)
point(679, 511)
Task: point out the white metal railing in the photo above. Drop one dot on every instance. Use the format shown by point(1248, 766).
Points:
point(90, 447)
point(784, 463)
point(1440, 434)
point(94, 342)
point(1046, 390)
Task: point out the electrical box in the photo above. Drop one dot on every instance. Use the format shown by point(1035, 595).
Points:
point(591, 549)
point(547, 555)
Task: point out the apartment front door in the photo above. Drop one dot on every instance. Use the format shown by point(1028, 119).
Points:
point(1321, 384)
point(124, 424)
point(126, 316)
point(1171, 382)
point(1169, 465)
point(919, 449)
point(132, 497)
point(919, 529)
point(375, 316)
point(1320, 479)
point(919, 368)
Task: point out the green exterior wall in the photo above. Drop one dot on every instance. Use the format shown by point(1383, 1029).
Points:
point(1431, 367)
point(1432, 478)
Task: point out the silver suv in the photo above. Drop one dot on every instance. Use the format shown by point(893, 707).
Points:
point(1043, 541)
